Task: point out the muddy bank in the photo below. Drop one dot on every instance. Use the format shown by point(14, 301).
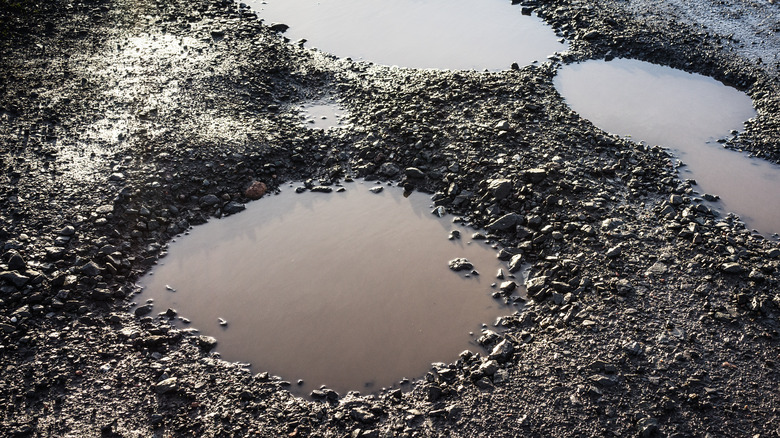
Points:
point(125, 123)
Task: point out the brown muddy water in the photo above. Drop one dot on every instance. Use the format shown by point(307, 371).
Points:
point(348, 289)
point(440, 34)
point(687, 113)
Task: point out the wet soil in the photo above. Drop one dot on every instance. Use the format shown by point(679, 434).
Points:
point(124, 123)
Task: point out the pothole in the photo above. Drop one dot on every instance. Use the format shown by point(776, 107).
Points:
point(350, 289)
point(688, 113)
point(323, 114)
point(440, 34)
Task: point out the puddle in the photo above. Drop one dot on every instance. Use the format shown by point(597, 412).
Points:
point(441, 34)
point(684, 112)
point(348, 289)
point(323, 115)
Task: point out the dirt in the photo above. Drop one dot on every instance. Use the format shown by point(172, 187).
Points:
point(124, 123)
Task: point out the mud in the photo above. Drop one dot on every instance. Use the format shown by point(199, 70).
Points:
point(125, 123)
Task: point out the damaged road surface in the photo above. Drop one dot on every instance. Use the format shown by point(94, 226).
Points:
point(125, 123)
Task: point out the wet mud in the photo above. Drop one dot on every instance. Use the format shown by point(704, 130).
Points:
point(125, 123)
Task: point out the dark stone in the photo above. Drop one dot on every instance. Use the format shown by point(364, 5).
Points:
point(505, 222)
point(460, 264)
point(233, 207)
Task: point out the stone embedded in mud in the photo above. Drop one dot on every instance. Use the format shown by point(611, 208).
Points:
point(460, 264)
point(376, 189)
point(256, 190)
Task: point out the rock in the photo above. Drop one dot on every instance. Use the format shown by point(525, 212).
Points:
point(632, 347)
point(500, 188)
point(602, 380)
point(376, 189)
point(67, 231)
point(279, 27)
point(165, 386)
point(256, 190)
point(732, 268)
point(536, 175)
point(389, 169)
point(16, 263)
point(322, 189)
point(363, 415)
point(91, 269)
point(414, 173)
point(592, 35)
point(508, 287)
point(207, 343)
point(14, 278)
point(503, 125)
point(209, 200)
point(615, 251)
point(502, 352)
point(505, 222)
point(460, 264)
point(104, 210)
point(484, 383)
point(515, 263)
point(143, 310)
point(648, 427)
point(233, 207)
point(675, 199)
point(488, 368)
point(536, 284)
point(54, 252)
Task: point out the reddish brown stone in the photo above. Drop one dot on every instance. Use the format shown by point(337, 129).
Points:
point(256, 190)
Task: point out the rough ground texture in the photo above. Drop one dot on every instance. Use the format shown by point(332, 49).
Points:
point(123, 123)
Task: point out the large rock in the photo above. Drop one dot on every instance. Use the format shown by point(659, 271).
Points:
point(460, 264)
point(209, 200)
point(500, 188)
point(732, 268)
point(502, 352)
point(389, 169)
point(14, 278)
point(17, 263)
point(536, 175)
point(414, 173)
point(536, 284)
point(256, 190)
point(505, 222)
point(167, 385)
point(515, 263)
point(233, 207)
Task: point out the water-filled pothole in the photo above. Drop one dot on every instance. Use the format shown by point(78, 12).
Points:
point(441, 34)
point(350, 289)
point(686, 112)
point(322, 114)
